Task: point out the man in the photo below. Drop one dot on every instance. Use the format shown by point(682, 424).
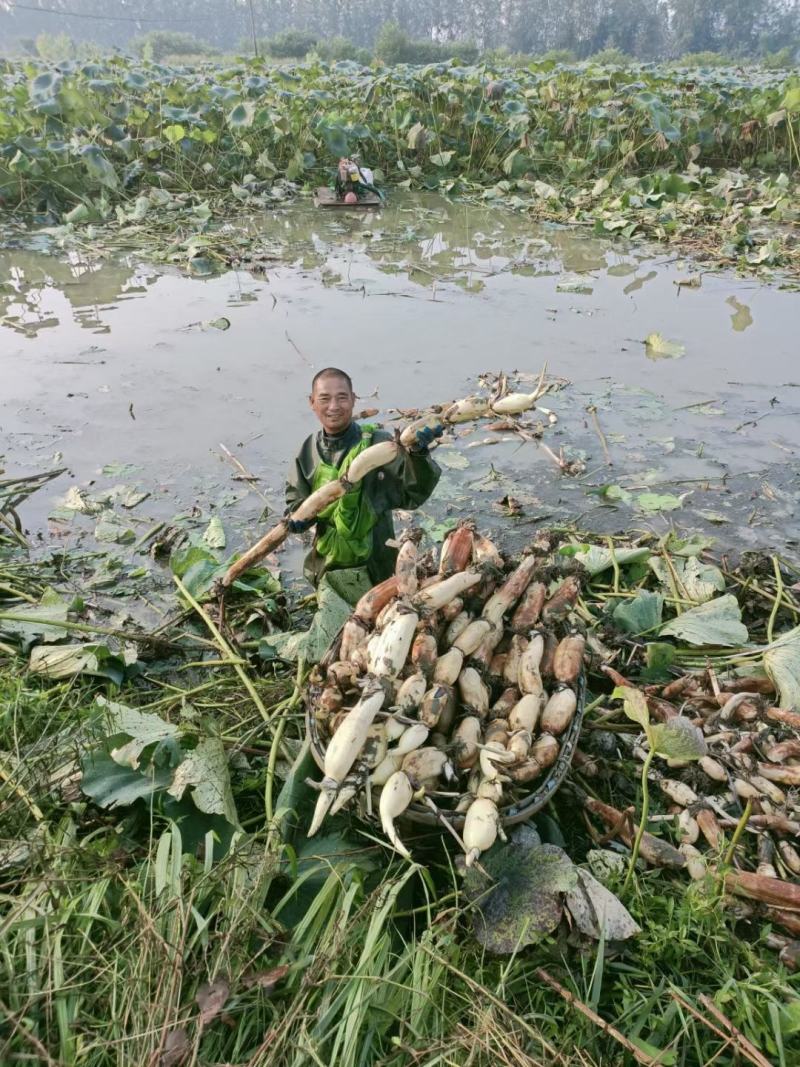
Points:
point(354, 530)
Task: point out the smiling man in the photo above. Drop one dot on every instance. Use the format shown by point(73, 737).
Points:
point(353, 531)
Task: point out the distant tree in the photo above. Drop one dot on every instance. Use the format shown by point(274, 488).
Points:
point(160, 43)
point(391, 44)
point(291, 44)
point(693, 27)
point(335, 49)
point(55, 47)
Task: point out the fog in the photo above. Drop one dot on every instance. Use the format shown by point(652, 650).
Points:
point(405, 30)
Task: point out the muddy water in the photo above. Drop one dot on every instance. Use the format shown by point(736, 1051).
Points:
point(116, 365)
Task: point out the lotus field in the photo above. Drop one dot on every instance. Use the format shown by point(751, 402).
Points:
point(700, 156)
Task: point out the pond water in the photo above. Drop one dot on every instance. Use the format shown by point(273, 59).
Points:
point(114, 363)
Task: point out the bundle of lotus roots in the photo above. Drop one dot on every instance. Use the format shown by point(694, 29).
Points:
point(454, 689)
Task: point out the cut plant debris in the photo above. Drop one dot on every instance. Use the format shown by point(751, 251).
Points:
point(160, 894)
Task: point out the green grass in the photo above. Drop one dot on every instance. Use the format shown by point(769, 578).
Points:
point(328, 954)
point(151, 934)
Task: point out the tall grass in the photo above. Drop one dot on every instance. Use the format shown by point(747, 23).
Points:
point(114, 941)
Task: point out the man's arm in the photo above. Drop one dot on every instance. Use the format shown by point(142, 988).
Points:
point(298, 486)
point(411, 478)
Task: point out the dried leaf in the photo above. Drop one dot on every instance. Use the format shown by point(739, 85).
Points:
point(211, 999)
point(782, 664)
point(266, 980)
point(634, 704)
point(597, 911)
point(176, 1048)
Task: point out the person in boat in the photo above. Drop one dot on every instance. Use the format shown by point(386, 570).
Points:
point(354, 530)
point(352, 178)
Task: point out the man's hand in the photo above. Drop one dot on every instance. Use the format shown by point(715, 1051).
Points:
point(296, 526)
point(425, 436)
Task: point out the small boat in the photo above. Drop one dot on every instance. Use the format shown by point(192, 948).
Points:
point(324, 197)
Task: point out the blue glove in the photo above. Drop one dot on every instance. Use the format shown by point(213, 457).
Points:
point(300, 525)
point(425, 436)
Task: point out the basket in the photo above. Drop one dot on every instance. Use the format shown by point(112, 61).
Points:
point(513, 812)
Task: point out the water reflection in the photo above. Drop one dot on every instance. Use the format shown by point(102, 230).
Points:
point(36, 290)
point(472, 289)
point(425, 240)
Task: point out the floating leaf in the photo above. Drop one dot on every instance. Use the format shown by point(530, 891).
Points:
point(678, 738)
point(717, 622)
point(441, 159)
point(574, 285)
point(598, 912)
point(214, 534)
point(523, 903)
point(658, 347)
point(654, 502)
point(448, 457)
point(119, 470)
point(124, 495)
point(110, 530)
point(614, 493)
point(76, 499)
point(742, 316)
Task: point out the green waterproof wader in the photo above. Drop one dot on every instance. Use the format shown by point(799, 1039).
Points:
point(349, 521)
point(354, 531)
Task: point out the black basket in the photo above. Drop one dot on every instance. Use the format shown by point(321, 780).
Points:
point(513, 812)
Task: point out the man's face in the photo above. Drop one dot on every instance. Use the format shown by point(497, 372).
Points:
point(332, 402)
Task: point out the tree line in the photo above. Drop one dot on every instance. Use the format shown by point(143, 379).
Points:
point(645, 29)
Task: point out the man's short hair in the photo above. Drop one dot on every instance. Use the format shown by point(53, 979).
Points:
point(331, 372)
